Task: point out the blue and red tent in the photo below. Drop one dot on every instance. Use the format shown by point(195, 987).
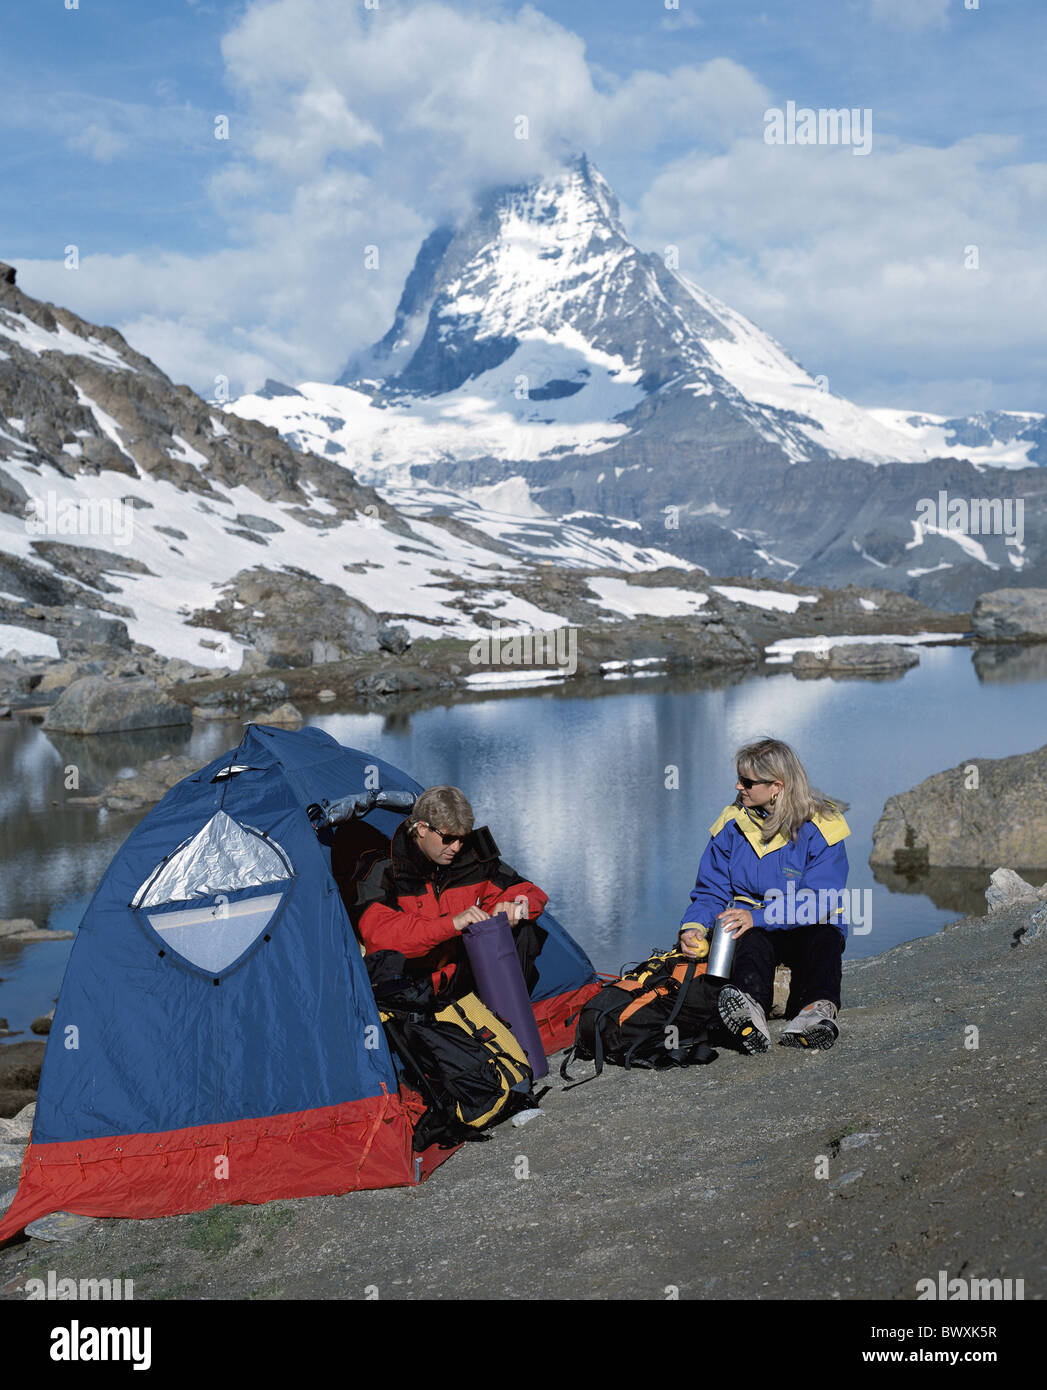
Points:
point(216, 1039)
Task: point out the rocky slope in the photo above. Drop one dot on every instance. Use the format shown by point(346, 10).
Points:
point(129, 508)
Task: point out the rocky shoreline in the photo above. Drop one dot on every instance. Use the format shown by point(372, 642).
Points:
point(915, 1145)
point(726, 632)
point(101, 685)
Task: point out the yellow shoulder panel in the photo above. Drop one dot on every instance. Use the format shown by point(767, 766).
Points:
point(728, 813)
point(834, 828)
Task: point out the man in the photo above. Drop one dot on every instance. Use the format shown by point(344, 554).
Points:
point(441, 876)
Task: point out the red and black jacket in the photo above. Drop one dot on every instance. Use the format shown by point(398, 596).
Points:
point(407, 903)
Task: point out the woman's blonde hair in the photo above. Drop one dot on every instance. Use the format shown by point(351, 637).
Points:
point(443, 808)
point(770, 760)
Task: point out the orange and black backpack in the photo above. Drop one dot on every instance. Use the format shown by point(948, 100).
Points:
point(658, 1014)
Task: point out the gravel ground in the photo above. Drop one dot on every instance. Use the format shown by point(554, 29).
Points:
point(707, 1181)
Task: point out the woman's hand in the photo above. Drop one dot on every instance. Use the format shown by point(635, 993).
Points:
point(691, 943)
point(737, 920)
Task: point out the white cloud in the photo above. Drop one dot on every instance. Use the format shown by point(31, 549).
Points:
point(101, 127)
point(351, 128)
point(681, 19)
point(100, 141)
point(858, 265)
point(914, 15)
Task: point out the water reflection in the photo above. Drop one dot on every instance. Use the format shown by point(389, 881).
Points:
point(1017, 663)
point(960, 891)
point(601, 792)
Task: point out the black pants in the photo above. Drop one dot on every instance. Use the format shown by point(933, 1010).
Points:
point(812, 953)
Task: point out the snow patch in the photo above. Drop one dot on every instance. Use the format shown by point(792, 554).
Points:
point(634, 600)
point(26, 642)
point(770, 599)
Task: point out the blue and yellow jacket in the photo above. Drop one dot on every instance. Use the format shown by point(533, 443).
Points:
point(738, 868)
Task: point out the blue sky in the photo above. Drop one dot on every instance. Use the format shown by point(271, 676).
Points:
point(351, 126)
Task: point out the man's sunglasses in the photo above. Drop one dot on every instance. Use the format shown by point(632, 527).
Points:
point(749, 782)
point(447, 839)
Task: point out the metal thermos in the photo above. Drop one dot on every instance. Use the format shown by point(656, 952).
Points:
point(721, 951)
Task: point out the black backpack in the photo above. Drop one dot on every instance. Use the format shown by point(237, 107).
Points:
point(462, 1058)
point(659, 1014)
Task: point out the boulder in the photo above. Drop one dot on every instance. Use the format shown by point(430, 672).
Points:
point(291, 618)
point(285, 714)
point(387, 683)
point(42, 1026)
point(57, 676)
point(60, 1227)
point(20, 931)
point(782, 980)
point(215, 712)
point(94, 705)
point(148, 785)
point(20, 1065)
point(1011, 615)
point(1006, 887)
point(84, 633)
point(982, 813)
point(394, 637)
point(253, 662)
point(856, 658)
point(257, 523)
point(18, 1128)
point(1037, 928)
point(268, 691)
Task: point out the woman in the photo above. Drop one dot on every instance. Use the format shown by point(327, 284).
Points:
point(778, 849)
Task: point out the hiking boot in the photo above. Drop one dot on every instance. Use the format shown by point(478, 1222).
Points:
point(743, 1017)
point(814, 1026)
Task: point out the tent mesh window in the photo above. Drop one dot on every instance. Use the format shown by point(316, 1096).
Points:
point(216, 893)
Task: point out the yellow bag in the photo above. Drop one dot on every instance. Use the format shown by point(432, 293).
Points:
point(470, 1063)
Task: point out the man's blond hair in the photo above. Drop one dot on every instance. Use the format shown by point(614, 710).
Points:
point(442, 808)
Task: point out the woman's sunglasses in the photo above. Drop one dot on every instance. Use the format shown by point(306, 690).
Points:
point(749, 782)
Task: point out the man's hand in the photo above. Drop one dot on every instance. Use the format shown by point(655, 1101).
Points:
point(692, 939)
point(470, 915)
point(517, 911)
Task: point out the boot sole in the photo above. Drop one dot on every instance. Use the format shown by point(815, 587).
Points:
point(819, 1038)
point(737, 1019)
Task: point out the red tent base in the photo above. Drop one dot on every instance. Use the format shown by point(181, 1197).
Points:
point(331, 1150)
point(312, 1153)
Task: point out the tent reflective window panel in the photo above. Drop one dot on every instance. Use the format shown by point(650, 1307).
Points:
point(215, 936)
point(221, 857)
point(217, 893)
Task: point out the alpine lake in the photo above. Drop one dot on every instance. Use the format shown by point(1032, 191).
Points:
point(601, 791)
